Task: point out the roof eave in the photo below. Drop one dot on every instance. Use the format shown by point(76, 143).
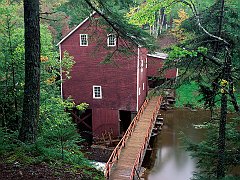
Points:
point(79, 25)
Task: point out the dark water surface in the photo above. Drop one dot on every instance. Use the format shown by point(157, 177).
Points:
point(170, 161)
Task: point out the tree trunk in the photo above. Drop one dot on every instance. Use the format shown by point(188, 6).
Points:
point(221, 138)
point(30, 113)
point(223, 119)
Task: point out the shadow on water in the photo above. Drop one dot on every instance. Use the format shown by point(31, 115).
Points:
point(169, 161)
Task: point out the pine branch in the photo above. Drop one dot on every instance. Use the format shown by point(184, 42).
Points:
point(48, 13)
point(196, 15)
point(127, 31)
point(54, 20)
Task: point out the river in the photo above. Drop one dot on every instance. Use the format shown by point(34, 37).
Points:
point(169, 160)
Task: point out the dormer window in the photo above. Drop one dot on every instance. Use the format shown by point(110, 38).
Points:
point(83, 40)
point(111, 41)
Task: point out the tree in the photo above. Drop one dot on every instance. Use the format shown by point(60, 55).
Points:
point(10, 67)
point(211, 58)
point(114, 17)
point(30, 114)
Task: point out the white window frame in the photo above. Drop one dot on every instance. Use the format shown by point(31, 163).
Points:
point(146, 63)
point(143, 86)
point(110, 41)
point(81, 40)
point(94, 92)
point(141, 65)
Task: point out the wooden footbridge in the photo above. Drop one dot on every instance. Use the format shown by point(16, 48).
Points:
point(126, 159)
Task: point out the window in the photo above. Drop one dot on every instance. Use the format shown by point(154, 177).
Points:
point(111, 41)
point(97, 92)
point(141, 65)
point(143, 86)
point(83, 40)
point(139, 91)
point(146, 62)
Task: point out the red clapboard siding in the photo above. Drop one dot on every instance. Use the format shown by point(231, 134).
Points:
point(109, 121)
point(118, 79)
point(155, 64)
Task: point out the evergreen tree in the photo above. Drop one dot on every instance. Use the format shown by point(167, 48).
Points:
point(210, 57)
point(31, 102)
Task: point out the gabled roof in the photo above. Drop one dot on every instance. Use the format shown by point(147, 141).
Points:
point(79, 25)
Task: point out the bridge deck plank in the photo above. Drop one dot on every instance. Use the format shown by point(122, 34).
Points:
point(122, 169)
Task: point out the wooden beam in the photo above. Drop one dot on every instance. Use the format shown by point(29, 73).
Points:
point(79, 120)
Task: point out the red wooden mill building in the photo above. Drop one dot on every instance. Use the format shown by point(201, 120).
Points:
point(115, 89)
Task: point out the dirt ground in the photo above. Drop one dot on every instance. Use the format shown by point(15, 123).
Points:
point(39, 171)
point(98, 153)
point(18, 171)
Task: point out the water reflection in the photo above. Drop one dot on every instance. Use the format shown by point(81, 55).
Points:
point(171, 161)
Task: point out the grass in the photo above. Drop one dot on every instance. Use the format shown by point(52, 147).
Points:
point(188, 96)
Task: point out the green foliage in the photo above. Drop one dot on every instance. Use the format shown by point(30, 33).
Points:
point(178, 52)
point(195, 95)
point(13, 151)
point(66, 64)
point(206, 152)
point(145, 13)
point(76, 10)
point(115, 19)
point(188, 96)
point(58, 139)
point(11, 69)
point(82, 107)
point(8, 141)
point(230, 28)
point(210, 57)
point(197, 57)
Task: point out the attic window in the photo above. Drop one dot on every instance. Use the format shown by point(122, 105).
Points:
point(83, 40)
point(111, 41)
point(97, 92)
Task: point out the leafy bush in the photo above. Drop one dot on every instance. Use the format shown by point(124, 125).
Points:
point(8, 141)
point(58, 137)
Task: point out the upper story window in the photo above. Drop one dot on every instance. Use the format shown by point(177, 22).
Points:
point(111, 40)
point(97, 92)
point(83, 40)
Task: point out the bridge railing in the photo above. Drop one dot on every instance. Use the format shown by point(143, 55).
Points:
point(116, 152)
point(141, 153)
